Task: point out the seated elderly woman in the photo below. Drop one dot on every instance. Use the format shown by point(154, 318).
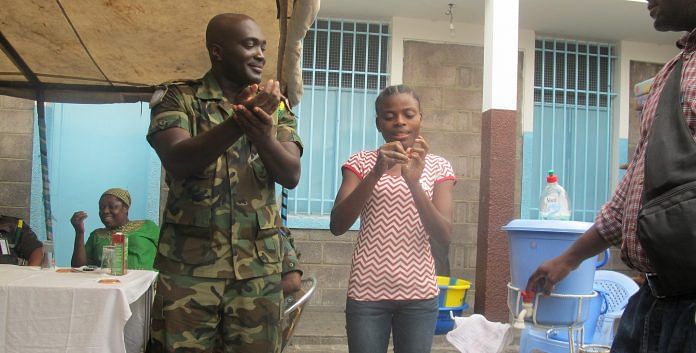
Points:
point(143, 236)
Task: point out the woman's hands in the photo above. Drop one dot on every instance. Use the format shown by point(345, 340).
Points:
point(412, 170)
point(389, 155)
point(412, 159)
point(78, 221)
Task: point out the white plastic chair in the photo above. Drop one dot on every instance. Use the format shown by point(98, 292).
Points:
point(618, 288)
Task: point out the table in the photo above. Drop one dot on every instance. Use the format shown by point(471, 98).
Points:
point(44, 311)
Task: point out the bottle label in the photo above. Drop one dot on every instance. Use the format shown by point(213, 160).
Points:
point(554, 205)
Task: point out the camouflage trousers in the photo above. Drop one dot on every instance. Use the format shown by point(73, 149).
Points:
point(194, 314)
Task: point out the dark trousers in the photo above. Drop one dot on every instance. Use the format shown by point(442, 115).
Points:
point(369, 323)
point(651, 325)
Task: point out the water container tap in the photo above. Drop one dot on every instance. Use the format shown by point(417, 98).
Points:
point(527, 309)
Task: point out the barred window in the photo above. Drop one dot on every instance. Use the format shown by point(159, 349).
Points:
point(344, 67)
point(572, 72)
point(572, 129)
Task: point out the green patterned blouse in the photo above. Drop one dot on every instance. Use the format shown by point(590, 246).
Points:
point(143, 237)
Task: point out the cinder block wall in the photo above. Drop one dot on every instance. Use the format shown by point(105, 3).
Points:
point(16, 137)
point(449, 79)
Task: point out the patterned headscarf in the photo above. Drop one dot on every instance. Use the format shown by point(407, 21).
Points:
point(121, 194)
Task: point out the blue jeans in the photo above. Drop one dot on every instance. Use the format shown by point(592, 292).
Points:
point(651, 325)
point(411, 322)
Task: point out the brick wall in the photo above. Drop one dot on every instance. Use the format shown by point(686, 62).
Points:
point(16, 129)
point(326, 257)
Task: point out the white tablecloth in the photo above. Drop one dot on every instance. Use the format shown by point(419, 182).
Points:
point(42, 311)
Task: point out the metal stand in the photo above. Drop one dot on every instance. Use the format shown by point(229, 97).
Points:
point(575, 327)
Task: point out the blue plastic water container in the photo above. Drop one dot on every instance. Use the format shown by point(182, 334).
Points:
point(531, 242)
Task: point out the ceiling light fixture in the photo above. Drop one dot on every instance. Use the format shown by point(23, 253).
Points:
point(451, 17)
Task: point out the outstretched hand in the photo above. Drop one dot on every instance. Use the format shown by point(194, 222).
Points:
point(548, 275)
point(78, 221)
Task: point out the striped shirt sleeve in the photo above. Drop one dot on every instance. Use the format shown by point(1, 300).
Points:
point(446, 172)
point(356, 164)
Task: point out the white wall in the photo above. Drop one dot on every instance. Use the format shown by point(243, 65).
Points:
point(403, 29)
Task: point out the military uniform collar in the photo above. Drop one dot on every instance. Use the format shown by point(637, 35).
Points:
point(209, 88)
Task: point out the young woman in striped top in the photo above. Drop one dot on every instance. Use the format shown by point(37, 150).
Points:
point(403, 196)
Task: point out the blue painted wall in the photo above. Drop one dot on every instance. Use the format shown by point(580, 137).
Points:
point(92, 148)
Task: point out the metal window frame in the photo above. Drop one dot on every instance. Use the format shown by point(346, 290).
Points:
point(314, 218)
point(597, 98)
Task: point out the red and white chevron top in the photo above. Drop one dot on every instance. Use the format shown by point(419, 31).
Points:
point(392, 258)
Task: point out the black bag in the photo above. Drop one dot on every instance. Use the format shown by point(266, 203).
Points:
point(667, 220)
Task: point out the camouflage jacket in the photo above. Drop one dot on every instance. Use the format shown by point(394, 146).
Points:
point(221, 222)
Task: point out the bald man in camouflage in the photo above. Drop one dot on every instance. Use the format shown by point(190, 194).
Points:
point(224, 142)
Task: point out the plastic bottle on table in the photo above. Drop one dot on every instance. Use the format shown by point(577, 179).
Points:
point(119, 267)
point(554, 200)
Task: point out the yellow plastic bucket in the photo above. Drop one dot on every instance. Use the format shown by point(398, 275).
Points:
point(451, 302)
point(452, 291)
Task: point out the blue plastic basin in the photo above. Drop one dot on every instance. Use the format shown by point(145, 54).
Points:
point(444, 322)
point(531, 242)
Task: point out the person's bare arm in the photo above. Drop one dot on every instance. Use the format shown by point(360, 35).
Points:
point(354, 193)
point(435, 215)
point(350, 199)
point(553, 271)
point(79, 257)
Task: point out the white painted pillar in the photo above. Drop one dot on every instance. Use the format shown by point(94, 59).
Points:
point(500, 55)
point(499, 122)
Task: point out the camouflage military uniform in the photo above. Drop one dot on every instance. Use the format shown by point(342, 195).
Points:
point(220, 251)
point(291, 259)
